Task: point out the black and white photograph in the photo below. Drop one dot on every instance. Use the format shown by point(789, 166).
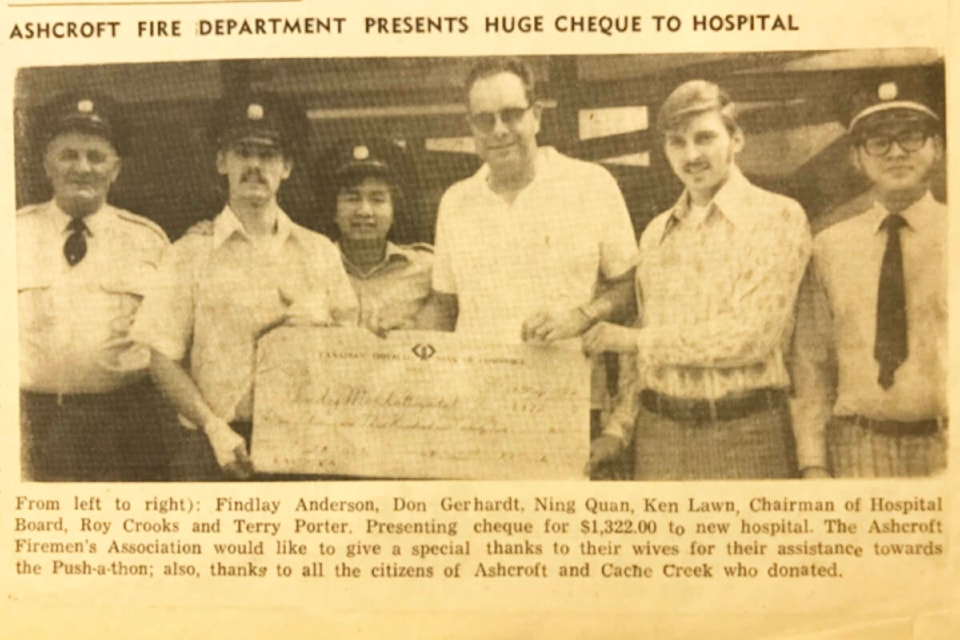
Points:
point(616, 267)
point(496, 320)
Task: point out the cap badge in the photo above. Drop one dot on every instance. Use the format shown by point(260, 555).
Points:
point(887, 91)
point(255, 112)
point(361, 152)
point(85, 106)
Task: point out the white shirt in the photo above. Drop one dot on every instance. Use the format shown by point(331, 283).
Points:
point(834, 370)
point(545, 250)
point(74, 320)
point(220, 288)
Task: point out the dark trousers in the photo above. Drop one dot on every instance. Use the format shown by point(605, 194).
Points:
point(100, 437)
point(756, 446)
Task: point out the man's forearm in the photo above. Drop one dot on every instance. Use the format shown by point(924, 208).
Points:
point(447, 310)
point(616, 302)
point(179, 388)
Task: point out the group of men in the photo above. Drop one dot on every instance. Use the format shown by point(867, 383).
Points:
point(731, 373)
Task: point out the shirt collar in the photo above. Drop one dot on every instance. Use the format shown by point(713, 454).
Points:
point(226, 224)
point(94, 222)
point(392, 255)
point(729, 202)
point(541, 167)
point(912, 214)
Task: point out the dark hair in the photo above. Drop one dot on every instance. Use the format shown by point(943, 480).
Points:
point(487, 67)
point(693, 98)
point(354, 178)
point(333, 184)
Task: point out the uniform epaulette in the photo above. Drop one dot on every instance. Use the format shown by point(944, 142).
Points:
point(31, 208)
point(145, 222)
point(421, 246)
point(202, 227)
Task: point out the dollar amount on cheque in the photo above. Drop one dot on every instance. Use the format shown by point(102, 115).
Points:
point(418, 405)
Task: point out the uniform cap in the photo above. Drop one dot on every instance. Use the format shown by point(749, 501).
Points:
point(89, 113)
point(356, 159)
point(891, 99)
point(259, 119)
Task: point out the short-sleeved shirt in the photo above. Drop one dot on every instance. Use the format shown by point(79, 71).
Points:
point(545, 250)
point(398, 289)
point(834, 369)
point(74, 320)
point(219, 289)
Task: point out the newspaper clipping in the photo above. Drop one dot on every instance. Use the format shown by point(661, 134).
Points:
point(483, 321)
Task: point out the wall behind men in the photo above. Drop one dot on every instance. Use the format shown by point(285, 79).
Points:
point(795, 141)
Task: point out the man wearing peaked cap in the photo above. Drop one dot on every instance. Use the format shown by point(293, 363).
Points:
point(392, 282)
point(871, 339)
point(228, 282)
point(264, 119)
point(88, 409)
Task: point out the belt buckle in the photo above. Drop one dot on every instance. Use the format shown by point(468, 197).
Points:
point(712, 407)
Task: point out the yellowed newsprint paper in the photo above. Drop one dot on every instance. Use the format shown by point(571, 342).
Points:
point(408, 482)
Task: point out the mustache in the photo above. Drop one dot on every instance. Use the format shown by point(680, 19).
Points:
point(252, 175)
point(699, 164)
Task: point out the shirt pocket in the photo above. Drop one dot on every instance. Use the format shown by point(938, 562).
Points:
point(124, 292)
point(578, 264)
point(35, 301)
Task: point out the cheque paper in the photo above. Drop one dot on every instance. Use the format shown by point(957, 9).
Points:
point(418, 405)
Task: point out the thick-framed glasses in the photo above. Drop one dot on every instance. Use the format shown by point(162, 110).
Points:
point(910, 140)
point(485, 121)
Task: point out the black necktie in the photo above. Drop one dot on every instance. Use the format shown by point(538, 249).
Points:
point(76, 245)
point(890, 348)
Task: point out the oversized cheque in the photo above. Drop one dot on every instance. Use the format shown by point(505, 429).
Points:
point(418, 405)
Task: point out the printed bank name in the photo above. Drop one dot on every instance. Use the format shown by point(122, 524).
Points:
point(605, 25)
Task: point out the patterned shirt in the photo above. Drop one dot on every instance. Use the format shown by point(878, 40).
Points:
point(219, 289)
point(833, 366)
point(74, 320)
point(717, 294)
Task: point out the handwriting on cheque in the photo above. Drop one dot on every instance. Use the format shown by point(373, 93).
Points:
point(428, 405)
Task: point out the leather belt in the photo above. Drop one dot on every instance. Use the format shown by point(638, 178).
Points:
point(897, 427)
point(731, 407)
point(41, 398)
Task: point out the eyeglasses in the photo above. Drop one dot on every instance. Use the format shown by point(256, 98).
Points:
point(485, 121)
point(910, 140)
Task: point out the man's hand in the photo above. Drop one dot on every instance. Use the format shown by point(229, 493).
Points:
point(606, 337)
point(604, 450)
point(298, 310)
point(381, 322)
point(548, 326)
point(305, 309)
point(229, 449)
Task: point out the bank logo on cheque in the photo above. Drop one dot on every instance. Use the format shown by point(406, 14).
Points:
point(423, 351)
